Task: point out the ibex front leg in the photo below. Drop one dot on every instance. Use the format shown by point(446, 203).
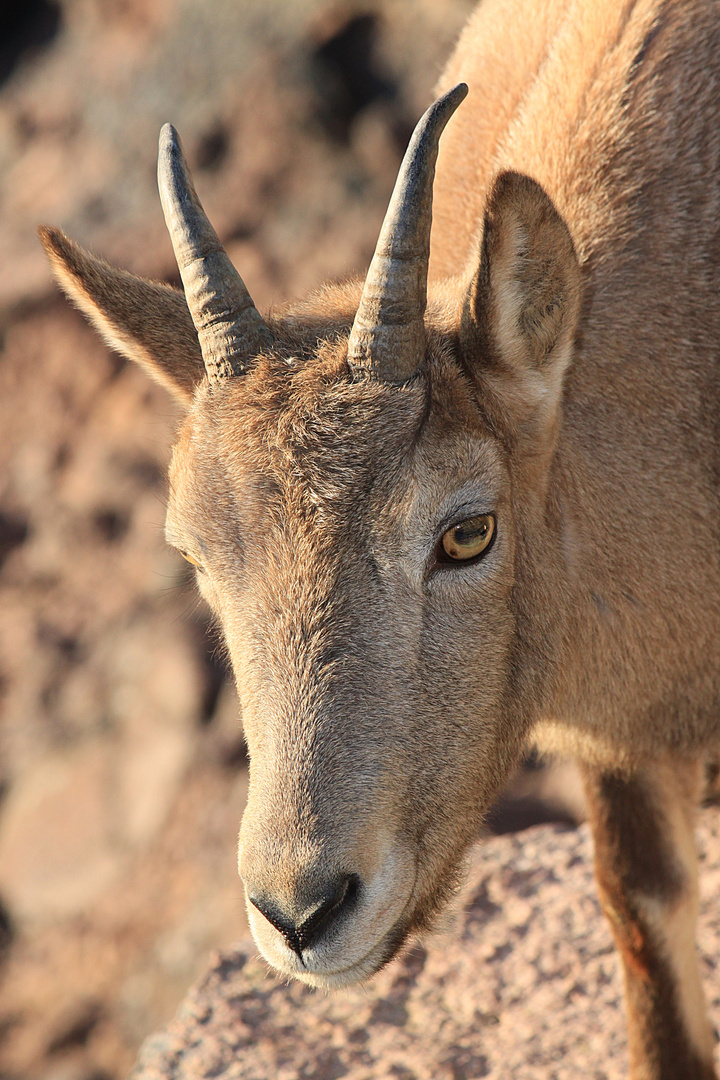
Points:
point(645, 864)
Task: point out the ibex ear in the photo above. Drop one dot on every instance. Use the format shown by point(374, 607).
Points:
point(522, 308)
point(144, 320)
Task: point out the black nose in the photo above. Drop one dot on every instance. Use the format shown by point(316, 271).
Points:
point(316, 918)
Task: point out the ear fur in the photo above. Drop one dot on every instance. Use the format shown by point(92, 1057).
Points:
point(144, 320)
point(522, 308)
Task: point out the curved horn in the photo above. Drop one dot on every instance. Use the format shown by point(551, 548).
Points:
point(387, 339)
point(230, 328)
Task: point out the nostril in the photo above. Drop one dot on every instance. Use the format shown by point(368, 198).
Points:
point(301, 933)
point(340, 895)
point(276, 918)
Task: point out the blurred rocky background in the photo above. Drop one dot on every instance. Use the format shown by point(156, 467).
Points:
point(122, 767)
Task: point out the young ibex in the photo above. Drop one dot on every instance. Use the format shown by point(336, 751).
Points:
point(436, 521)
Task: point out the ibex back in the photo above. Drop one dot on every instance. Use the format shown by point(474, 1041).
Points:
point(438, 520)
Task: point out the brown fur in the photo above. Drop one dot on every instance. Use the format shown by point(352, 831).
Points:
point(571, 388)
point(645, 861)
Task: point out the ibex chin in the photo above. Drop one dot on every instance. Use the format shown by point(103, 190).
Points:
point(473, 500)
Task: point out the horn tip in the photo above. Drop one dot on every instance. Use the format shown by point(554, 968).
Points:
point(172, 170)
point(169, 139)
point(456, 94)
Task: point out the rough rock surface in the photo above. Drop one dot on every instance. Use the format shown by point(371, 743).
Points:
point(526, 984)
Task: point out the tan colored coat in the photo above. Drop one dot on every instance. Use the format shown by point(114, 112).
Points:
point(569, 393)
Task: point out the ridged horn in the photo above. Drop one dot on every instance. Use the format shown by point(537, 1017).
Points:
point(230, 328)
point(387, 340)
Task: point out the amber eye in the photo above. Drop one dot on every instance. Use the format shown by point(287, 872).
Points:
point(470, 538)
point(189, 558)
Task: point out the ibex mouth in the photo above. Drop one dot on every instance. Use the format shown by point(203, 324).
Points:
point(374, 921)
point(360, 970)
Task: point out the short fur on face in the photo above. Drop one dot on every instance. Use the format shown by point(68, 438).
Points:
point(337, 619)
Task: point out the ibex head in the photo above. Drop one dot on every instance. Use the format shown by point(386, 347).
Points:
point(362, 483)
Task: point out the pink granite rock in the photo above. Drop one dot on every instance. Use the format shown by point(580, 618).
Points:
point(526, 985)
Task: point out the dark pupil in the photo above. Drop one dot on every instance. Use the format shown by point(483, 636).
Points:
point(468, 534)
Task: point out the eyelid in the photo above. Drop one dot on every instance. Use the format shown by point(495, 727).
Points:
point(192, 552)
point(190, 558)
point(461, 514)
